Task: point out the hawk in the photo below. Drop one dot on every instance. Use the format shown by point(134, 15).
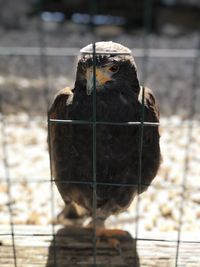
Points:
point(119, 99)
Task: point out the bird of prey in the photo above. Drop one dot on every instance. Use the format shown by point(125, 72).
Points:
point(118, 100)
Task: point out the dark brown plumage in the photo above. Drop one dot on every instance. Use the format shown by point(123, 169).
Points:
point(118, 99)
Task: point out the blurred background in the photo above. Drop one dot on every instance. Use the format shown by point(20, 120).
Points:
point(39, 45)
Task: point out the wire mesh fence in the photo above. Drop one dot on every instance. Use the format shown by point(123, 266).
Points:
point(189, 127)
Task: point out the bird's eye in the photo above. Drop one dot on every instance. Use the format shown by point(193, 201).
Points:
point(114, 68)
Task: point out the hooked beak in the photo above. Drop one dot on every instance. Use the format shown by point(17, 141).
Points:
point(102, 76)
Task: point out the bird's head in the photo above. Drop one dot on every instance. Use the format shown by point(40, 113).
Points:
point(113, 71)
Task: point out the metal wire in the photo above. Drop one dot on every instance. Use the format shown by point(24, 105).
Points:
point(139, 239)
point(94, 153)
point(44, 72)
point(129, 123)
point(170, 124)
point(139, 188)
point(166, 186)
point(8, 181)
point(70, 51)
point(194, 87)
point(147, 18)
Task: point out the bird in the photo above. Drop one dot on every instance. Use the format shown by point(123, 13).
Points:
point(127, 153)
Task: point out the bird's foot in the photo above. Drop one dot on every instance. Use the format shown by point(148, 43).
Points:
point(112, 236)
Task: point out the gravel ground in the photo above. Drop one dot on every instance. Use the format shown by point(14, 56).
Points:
point(27, 166)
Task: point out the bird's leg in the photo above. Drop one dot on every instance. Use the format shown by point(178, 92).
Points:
point(71, 214)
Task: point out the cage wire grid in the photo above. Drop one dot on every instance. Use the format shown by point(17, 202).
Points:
point(94, 183)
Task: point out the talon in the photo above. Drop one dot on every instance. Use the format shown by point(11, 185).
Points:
point(111, 236)
point(114, 242)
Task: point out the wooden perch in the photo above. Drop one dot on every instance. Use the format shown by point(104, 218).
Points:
point(72, 246)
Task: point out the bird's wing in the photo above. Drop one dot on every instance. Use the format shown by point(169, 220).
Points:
point(63, 99)
point(151, 114)
point(58, 135)
point(150, 104)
